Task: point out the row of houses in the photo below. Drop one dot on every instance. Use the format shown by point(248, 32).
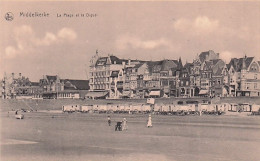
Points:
point(208, 75)
point(114, 78)
point(49, 87)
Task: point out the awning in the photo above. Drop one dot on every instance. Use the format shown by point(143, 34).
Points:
point(96, 94)
point(154, 93)
point(204, 91)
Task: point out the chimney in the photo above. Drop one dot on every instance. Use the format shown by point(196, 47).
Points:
point(13, 75)
point(129, 62)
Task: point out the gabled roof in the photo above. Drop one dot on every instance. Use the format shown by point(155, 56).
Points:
point(138, 65)
point(215, 61)
point(152, 64)
point(76, 84)
point(157, 68)
point(248, 61)
point(51, 78)
point(163, 65)
point(237, 63)
point(228, 66)
point(168, 64)
point(117, 60)
point(110, 60)
point(216, 65)
point(188, 67)
point(209, 64)
point(218, 71)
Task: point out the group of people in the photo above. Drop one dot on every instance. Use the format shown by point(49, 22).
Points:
point(122, 125)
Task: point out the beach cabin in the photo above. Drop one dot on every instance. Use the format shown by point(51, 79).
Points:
point(157, 108)
point(121, 108)
point(95, 108)
point(111, 107)
point(86, 108)
point(128, 108)
point(102, 108)
point(233, 107)
point(195, 103)
point(136, 108)
point(206, 107)
point(71, 108)
point(165, 108)
point(255, 108)
point(222, 107)
point(244, 107)
point(191, 107)
point(146, 108)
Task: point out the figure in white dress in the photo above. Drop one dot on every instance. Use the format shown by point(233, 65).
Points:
point(124, 124)
point(149, 122)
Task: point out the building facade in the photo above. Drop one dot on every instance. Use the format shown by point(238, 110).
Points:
point(206, 76)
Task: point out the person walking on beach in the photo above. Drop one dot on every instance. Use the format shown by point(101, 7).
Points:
point(149, 122)
point(124, 126)
point(109, 121)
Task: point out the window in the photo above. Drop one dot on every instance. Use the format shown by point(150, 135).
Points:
point(247, 85)
point(255, 85)
point(219, 82)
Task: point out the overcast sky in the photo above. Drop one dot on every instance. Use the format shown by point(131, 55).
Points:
point(136, 30)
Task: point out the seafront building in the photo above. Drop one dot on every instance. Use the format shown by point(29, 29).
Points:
point(244, 76)
point(207, 76)
point(111, 77)
point(49, 87)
